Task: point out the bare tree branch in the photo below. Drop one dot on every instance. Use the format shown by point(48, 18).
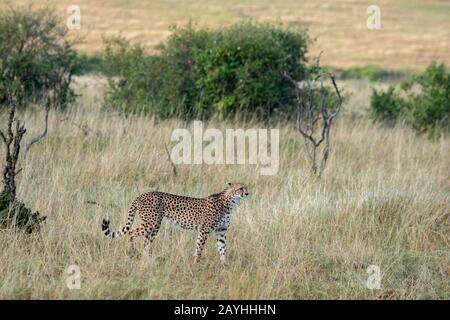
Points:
point(17, 172)
point(83, 127)
point(3, 136)
point(339, 104)
point(100, 205)
point(315, 113)
point(12, 139)
point(40, 136)
point(174, 168)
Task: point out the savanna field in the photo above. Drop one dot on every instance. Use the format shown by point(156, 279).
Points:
point(383, 199)
point(414, 33)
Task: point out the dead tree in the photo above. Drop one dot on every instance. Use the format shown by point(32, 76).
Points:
point(316, 108)
point(11, 140)
point(13, 211)
point(174, 168)
point(44, 132)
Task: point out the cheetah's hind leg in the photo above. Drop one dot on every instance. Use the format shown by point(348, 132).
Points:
point(200, 243)
point(150, 236)
point(134, 234)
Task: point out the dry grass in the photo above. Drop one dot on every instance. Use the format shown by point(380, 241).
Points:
point(384, 200)
point(413, 33)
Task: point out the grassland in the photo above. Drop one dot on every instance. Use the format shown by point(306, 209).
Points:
point(384, 200)
point(413, 33)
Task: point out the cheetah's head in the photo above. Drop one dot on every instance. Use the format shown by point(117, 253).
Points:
point(237, 191)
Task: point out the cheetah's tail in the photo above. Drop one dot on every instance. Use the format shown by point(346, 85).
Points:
point(107, 231)
point(115, 234)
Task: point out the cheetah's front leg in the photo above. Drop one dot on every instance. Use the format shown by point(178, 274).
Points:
point(222, 245)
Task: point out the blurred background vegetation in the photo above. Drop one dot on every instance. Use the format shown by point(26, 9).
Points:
point(234, 71)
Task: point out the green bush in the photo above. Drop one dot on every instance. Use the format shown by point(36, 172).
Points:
point(36, 62)
point(243, 71)
point(126, 68)
point(162, 84)
point(386, 105)
point(430, 107)
point(176, 92)
point(423, 101)
point(88, 63)
point(200, 73)
point(370, 72)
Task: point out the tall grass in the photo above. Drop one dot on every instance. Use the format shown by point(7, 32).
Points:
point(383, 200)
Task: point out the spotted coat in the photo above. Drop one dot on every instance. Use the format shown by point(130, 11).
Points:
point(205, 215)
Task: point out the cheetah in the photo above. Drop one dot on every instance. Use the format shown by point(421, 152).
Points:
point(205, 215)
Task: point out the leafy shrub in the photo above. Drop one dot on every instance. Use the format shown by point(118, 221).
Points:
point(430, 107)
point(36, 63)
point(370, 72)
point(88, 63)
point(423, 101)
point(163, 84)
point(203, 73)
point(243, 70)
point(386, 105)
point(126, 68)
point(179, 61)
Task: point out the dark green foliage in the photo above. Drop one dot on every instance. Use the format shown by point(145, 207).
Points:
point(423, 101)
point(14, 213)
point(163, 84)
point(370, 72)
point(36, 63)
point(386, 105)
point(176, 90)
point(430, 107)
point(200, 73)
point(88, 63)
point(243, 71)
point(126, 68)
